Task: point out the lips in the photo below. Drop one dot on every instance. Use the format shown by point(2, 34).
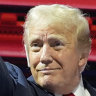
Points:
point(48, 69)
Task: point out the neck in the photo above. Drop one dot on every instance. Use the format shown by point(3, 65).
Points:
point(66, 88)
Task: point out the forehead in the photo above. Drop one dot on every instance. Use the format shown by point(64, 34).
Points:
point(50, 33)
point(46, 34)
point(54, 31)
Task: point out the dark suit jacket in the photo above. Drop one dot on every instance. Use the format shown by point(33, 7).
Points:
point(14, 83)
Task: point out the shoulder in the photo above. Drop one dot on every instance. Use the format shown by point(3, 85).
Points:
point(22, 86)
point(13, 70)
point(17, 75)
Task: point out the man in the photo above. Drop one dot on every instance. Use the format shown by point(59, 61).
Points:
point(57, 44)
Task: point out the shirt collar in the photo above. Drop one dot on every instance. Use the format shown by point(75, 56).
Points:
point(79, 91)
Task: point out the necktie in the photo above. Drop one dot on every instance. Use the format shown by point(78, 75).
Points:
point(71, 94)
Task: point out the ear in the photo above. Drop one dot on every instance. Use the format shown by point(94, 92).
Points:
point(27, 56)
point(83, 62)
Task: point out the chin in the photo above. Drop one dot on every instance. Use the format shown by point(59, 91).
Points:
point(49, 86)
point(47, 83)
point(46, 80)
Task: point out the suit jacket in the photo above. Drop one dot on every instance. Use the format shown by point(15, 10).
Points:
point(14, 83)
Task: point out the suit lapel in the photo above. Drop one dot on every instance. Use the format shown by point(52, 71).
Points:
point(90, 89)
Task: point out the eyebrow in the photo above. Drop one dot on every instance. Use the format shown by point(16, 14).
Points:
point(35, 38)
point(51, 36)
point(57, 37)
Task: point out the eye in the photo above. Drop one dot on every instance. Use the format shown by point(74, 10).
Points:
point(35, 46)
point(57, 43)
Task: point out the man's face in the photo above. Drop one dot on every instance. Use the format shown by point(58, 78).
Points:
point(54, 57)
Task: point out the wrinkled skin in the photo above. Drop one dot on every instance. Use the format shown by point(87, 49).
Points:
point(55, 60)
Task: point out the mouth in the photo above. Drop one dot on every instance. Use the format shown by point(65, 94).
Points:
point(48, 70)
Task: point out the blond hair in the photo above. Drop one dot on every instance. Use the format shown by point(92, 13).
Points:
point(61, 15)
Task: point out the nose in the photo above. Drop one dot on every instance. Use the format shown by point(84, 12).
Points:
point(46, 57)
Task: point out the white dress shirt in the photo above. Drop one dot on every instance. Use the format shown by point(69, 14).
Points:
point(79, 91)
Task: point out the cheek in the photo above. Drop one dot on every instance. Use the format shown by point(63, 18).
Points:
point(69, 60)
point(33, 59)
